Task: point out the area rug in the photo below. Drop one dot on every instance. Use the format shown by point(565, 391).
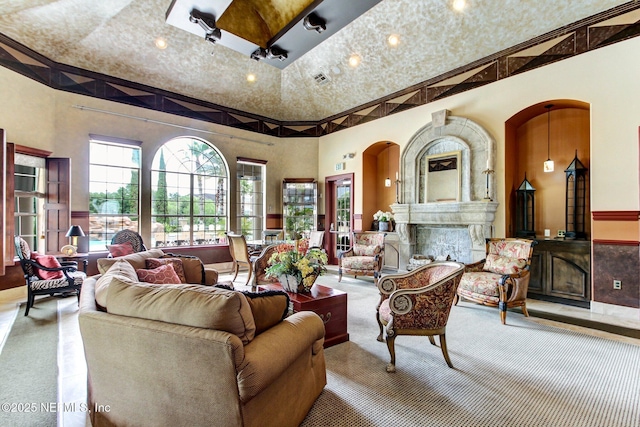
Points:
point(520, 374)
point(29, 370)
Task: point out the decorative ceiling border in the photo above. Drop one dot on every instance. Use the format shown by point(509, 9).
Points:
point(604, 29)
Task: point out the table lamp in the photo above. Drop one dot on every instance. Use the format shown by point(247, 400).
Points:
point(74, 232)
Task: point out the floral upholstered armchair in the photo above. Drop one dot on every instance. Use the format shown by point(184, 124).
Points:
point(502, 278)
point(364, 257)
point(417, 303)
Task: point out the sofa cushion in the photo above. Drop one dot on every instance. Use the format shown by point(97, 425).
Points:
point(176, 263)
point(190, 305)
point(193, 268)
point(119, 268)
point(121, 249)
point(503, 264)
point(51, 262)
point(365, 250)
point(161, 275)
point(268, 308)
point(137, 260)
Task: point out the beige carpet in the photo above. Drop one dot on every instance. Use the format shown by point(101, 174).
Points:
point(522, 374)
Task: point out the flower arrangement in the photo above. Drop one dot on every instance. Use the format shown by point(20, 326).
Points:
point(383, 216)
point(296, 259)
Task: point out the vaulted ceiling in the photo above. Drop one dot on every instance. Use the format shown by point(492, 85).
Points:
point(117, 38)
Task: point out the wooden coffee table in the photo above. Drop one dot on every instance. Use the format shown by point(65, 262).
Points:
point(328, 303)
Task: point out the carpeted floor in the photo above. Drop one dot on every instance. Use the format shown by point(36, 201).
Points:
point(522, 374)
point(31, 378)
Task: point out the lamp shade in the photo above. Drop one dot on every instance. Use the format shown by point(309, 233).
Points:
point(75, 231)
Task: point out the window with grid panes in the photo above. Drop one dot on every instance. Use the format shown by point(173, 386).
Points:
point(250, 199)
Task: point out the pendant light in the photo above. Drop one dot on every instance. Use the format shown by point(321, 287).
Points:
point(548, 165)
point(387, 182)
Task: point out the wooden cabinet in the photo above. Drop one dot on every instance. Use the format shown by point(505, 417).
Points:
point(560, 272)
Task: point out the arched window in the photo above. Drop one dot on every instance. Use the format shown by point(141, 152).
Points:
point(189, 183)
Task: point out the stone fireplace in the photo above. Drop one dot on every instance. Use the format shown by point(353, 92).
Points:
point(445, 205)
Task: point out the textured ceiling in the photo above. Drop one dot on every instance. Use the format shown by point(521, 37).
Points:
point(116, 37)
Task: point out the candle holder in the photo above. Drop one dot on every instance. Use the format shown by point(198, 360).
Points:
point(487, 196)
point(397, 190)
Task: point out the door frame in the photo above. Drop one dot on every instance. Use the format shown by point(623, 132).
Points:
point(330, 213)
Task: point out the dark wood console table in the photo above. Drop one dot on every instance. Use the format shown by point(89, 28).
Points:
point(328, 303)
point(560, 272)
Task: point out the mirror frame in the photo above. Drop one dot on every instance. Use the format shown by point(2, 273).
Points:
point(450, 154)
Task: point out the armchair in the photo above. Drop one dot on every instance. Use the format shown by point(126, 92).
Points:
point(364, 257)
point(54, 278)
point(126, 237)
point(418, 303)
point(502, 278)
point(260, 265)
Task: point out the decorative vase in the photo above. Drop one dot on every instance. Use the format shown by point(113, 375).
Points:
point(383, 226)
point(291, 283)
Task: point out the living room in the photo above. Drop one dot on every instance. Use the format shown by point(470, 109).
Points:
point(599, 78)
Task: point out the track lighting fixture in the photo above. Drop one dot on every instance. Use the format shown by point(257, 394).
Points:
point(208, 23)
point(314, 22)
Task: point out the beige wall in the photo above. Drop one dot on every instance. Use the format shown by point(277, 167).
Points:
point(37, 116)
point(604, 78)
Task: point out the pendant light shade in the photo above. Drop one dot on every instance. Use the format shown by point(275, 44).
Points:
point(548, 165)
point(387, 182)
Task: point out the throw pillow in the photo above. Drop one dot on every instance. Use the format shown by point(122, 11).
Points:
point(268, 308)
point(51, 262)
point(365, 250)
point(121, 269)
point(504, 265)
point(177, 264)
point(121, 249)
point(165, 274)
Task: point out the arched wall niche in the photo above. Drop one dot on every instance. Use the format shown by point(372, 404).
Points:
point(454, 228)
point(380, 161)
point(530, 138)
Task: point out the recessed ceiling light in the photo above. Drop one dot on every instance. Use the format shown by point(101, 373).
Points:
point(251, 77)
point(459, 5)
point(393, 40)
point(161, 43)
point(354, 60)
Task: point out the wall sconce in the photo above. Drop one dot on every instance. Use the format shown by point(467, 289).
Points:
point(348, 156)
point(313, 22)
point(208, 24)
point(548, 165)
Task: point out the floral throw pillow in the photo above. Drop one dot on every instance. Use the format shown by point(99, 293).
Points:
point(177, 264)
point(121, 249)
point(365, 250)
point(165, 274)
point(51, 262)
point(504, 265)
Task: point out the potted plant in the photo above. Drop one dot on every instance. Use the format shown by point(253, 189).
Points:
point(383, 218)
point(296, 266)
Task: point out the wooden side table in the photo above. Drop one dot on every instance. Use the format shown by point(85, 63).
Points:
point(79, 258)
point(328, 303)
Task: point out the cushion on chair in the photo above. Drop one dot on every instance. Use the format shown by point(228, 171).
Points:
point(177, 264)
point(268, 308)
point(365, 250)
point(510, 248)
point(51, 262)
point(359, 263)
point(164, 274)
point(481, 283)
point(119, 268)
point(77, 276)
point(121, 249)
point(504, 265)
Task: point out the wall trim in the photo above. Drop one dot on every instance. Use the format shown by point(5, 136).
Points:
point(615, 242)
point(615, 215)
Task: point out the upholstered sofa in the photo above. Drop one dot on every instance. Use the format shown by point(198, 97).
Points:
point(192, 355)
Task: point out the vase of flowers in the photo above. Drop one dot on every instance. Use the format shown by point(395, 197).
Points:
point(383, 218)
point(296, 266)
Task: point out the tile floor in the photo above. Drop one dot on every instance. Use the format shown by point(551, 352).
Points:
point(72, 369)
